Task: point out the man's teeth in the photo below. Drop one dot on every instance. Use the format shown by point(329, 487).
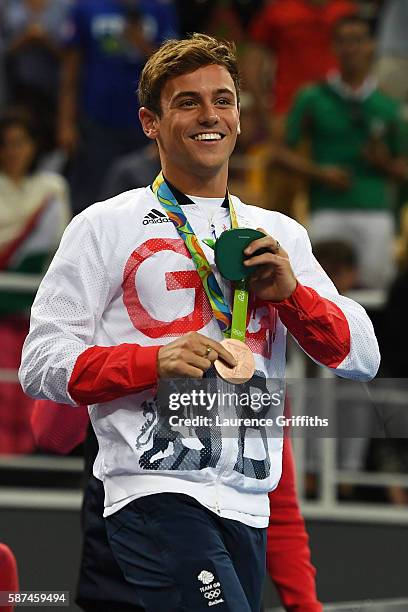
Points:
point(207, 137)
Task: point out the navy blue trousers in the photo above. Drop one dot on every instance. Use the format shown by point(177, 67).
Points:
point(182, 557)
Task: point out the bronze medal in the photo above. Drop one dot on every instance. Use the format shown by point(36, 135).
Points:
point(245, 368)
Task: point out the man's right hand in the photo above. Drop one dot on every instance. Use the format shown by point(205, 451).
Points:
point(190, 356)
point(335, 177)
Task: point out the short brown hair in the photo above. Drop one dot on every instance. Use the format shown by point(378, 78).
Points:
point(177, 57)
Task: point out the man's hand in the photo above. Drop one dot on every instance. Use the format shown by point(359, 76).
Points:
point(378, 155)
point(274, 280)
point(190, 356)
point(334, 177)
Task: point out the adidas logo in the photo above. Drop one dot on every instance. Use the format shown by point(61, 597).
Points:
point(155, 216)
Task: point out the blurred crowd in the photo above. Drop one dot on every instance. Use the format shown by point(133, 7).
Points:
point(324, 140)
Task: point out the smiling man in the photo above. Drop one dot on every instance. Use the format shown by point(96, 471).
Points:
point(133, 296)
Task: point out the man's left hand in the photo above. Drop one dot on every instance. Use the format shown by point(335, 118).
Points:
point(274, 279)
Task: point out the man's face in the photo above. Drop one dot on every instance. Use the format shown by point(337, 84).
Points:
point(354, 46)
point(197, 129)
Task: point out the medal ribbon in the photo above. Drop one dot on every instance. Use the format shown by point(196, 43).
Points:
point(239, 311)
point(231, 325)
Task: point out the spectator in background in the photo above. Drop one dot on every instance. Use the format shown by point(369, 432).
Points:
point(292, 39)
point(358, 143)
point(33, 214)
point(32, 31)
point(392, 68)
point(297, 34)
point(107, 43)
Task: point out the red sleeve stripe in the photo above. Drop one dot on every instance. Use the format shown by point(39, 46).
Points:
point(319, 326)
point(102, 374)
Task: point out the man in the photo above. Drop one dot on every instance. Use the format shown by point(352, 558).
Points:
point(123, 307)
point(298, 33)
point(107, 43)
point(357, 140)
point(31, 31)
point(295, 37)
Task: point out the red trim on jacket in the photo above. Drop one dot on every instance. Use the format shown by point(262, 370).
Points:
point(105, 373)
point(318, 324)
point(288, 552)
point(58, 427)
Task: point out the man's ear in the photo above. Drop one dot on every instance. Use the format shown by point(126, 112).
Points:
point(149, 121)
point(239, 128)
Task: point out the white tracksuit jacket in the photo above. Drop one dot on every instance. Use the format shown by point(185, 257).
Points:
point(122, 279)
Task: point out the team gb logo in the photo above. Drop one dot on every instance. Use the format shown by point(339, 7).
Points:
point(205, 577)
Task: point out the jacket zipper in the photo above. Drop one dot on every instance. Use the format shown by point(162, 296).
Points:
point(229, 442)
